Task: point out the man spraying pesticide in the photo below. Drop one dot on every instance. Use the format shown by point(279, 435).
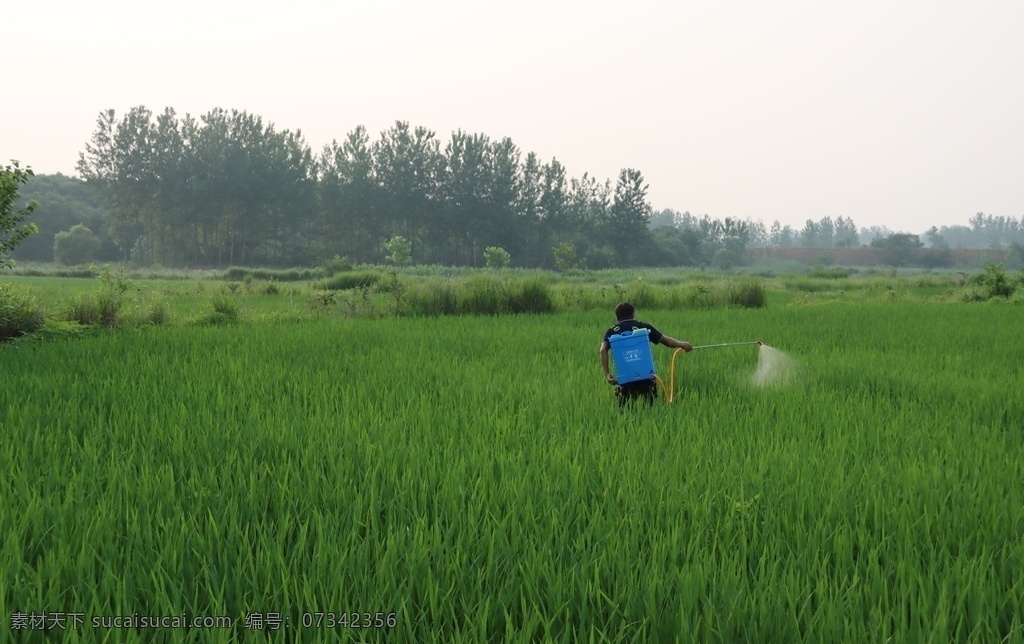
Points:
point(634, 364)
point(629, 343)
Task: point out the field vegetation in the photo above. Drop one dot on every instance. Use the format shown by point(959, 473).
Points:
point(269, 447)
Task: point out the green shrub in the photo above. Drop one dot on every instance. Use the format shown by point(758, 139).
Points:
point(19, 314)
point(641, 294)
point(346, 281)
point(496, 257)
point(336, 264)
point(530, 295)
point(225, 307)
point(78, 245)
point(433, 297)
point(240, 273)
point(748, 293)
point(995, 281)
point(699, 296)
point(482, 295)
point(155, 313)
point(104, 306)
point(400, 249)
point(829, 273)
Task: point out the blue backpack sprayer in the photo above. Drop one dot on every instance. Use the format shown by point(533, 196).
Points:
point(634, 360)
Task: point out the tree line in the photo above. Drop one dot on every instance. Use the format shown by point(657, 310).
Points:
point(228, 188)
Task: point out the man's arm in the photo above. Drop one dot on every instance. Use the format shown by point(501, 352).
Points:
point(676, 344)
point(604, 362)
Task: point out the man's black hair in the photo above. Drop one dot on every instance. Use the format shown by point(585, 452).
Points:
point(624, 311)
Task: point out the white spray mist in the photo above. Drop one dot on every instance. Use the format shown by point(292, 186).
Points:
point(774, 368)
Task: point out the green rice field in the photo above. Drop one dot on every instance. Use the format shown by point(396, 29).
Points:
point(471, 478)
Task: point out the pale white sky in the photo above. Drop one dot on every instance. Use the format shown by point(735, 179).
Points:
point(896, 113)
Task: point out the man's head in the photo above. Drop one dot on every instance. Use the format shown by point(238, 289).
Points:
point(624, 311)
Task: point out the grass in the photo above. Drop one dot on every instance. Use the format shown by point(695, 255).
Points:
point(473, 476)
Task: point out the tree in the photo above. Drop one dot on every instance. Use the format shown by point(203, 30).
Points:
point(61, 202)
point(781, 236)
point(78, 245)
point(630, 214)
point(565, 257)
point(407, 162)
point(869, 235)
point(400, 249)
point(735, 235)
point(897, 249)
point(496, 257)
point(349, 197)
point(12, 231)
point(846, 233)
point(935, 238)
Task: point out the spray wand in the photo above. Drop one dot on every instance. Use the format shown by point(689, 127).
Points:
point(668, 391)
point(727, 344)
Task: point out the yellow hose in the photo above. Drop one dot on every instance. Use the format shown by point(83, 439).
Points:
point(672, 378)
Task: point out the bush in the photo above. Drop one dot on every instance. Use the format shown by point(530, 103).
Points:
point(565, 258)
point(336, 264)
point(530, 296)
point(156, 313)
point(240, 273)
point(79, 245)
point(101, 308)
point(480, 295)
point(104, 306)
point(829, 273)
point(401, 250)
point(19, 314)
point(748, 293)
point(496, 257)
point(346, 281)
point(433, 297)
point(641, 294)
point(699, 296)
point(225, 306)
point(995, 282)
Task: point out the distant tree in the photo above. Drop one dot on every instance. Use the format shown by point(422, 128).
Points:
point(555, 223)
point(61, 202)
point(349, 197)
point(400, 249)
point(781, 236)
point(630, 213)
point(659, 218)
point(868, 235)
point(79, 245)
point(758, 233)
point(845, 233)
point(496, 257)
point(735, 236)
point(12, 231)
point(903, 241)
point(935, 238)
point(565, 257)
point(897, 249)
point(1015, 254)
point(810, 234)
point(407, 164)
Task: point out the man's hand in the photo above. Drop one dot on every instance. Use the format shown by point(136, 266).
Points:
point(611, 379)
point(676, 344)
